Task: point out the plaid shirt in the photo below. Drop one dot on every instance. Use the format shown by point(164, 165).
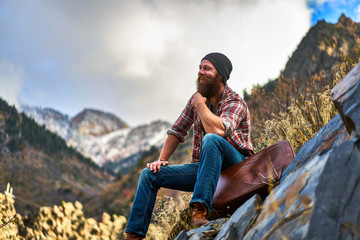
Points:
point(233, 111)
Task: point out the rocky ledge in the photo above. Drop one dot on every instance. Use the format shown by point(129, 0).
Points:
point(319, 194)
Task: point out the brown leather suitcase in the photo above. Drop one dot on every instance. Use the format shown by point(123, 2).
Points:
point(255, 175)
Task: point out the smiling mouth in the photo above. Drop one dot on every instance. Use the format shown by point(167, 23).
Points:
point(201, 80)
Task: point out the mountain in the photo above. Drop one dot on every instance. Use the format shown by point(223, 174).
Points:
point(322, 47)
point(96, 123)
point(312, 63)
point(39, 165)
point(54, 120)
point(103, 137)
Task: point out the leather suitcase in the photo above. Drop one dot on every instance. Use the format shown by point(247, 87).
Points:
point(254, 175)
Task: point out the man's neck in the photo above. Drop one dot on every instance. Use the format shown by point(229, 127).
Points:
point(216, 99)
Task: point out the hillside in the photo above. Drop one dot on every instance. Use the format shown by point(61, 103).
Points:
point(40, 167)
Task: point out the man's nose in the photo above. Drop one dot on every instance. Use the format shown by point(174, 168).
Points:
point(201, 71)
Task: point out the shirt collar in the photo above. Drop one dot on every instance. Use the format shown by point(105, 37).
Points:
point(224, 94)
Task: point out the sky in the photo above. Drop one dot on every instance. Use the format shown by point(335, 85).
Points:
point(139, 59)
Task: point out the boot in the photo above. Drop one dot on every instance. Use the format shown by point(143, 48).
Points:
point(133, 236)
point(198, 216)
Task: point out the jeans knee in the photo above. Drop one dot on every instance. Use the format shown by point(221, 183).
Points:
point(145, 171)
point(210, 138)
point(145, 174)
point(148, 177)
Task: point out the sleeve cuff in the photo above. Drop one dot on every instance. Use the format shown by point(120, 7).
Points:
point(227, 127)
point(176, 134)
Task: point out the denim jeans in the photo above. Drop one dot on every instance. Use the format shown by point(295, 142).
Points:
point(201, 178)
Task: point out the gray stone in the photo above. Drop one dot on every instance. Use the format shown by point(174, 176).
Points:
point(329, 135)
point(319, 201)
point(241, 220)
point(287, 210)
point(182, 235)
point(205, 232)
point(346, 95)
point(336, 212)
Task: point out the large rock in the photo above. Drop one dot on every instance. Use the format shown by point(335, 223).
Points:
point(346, 95)
point(330, 135)
point(336, 214)
point(241, 220)
point(320, 191)
point(205, 232)
point(318, 201)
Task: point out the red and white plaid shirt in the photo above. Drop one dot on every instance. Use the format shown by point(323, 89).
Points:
point(233, 111)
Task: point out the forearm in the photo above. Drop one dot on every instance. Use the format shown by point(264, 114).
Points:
point(170, 145)
point(211, 122)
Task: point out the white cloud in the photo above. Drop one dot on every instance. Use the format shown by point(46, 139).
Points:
point(357, 12)
point(139, 59)
point(10, 82)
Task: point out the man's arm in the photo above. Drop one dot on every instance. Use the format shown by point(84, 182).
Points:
point(211, 122)
point(170, 145)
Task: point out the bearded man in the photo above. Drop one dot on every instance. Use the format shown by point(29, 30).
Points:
point(221, 127)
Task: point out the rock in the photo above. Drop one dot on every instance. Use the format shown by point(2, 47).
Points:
point(336, 213)
point(316, 202)
point(241, 219)
point(319, 194)
point(346, 95)
point(329, 135)
point(205, 232)
point(182, 235)
point(291, 200)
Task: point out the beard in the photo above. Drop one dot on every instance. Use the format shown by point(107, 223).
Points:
point(210, 86)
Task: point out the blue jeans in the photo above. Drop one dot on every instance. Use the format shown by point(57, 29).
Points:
point(201, 178)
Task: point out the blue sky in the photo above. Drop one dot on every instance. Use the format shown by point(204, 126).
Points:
point(331, 10)
point(138, 59)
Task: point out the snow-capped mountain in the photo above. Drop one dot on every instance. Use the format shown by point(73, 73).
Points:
point(53, 120)
point(101, 136)
point(96, 123)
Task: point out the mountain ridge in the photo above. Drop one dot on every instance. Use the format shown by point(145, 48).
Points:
point(322, 47)
point(96, 123)
point(101, 136)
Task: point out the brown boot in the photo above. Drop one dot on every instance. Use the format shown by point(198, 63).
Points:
point(198, 216)
point(133, 236)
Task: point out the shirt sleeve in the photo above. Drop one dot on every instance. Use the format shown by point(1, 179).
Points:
point(233, 113)
point(182, 125)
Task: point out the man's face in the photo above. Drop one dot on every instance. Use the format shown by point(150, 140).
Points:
point(209, 80)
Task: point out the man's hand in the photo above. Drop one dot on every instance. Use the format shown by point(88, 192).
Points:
point(197, 99)
point(156, 166)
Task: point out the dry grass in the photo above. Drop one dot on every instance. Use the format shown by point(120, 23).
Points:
point(167, 215)
point(306, 114)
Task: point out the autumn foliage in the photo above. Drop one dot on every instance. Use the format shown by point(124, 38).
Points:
point(295, 114)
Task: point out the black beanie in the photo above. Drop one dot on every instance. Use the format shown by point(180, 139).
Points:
point(221, 63)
